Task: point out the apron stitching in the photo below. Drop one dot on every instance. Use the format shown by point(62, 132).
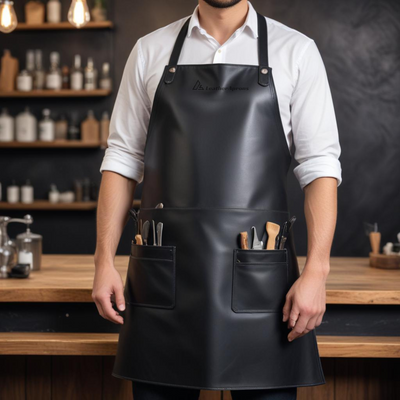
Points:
point(214, 208)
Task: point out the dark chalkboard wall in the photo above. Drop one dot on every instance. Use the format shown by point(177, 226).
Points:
point(360, 44)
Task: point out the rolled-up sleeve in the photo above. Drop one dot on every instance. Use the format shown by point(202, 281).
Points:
point(314, 127)
point(129, 120)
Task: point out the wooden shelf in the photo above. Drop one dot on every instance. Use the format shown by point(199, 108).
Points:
point(57, 93)
point(54, 144)
point(65, 25)
point(46, 205)
point(105, 344)
point(58, 343)
point(359, 346)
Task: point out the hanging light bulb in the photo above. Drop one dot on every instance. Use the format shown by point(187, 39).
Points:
point(8, 19)
point(78, 14)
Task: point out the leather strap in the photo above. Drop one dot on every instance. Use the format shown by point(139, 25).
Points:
point(173, 60)
point(263, 70)
point(262, 40)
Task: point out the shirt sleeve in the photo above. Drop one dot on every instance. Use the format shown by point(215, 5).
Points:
point(129, 121)
point(315, 133)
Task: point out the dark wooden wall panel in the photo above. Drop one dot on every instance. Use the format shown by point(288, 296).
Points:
point(38, 378)
point(369, 379)
point(89, 378)
point(12, 377)
point(360, 45)
point(114, 388)
point(76, 378)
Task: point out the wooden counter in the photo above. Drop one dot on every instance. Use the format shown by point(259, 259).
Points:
point(69, 278)
point(52, 335)
point(105, 344)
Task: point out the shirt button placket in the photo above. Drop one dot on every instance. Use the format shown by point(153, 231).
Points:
point(218, 56)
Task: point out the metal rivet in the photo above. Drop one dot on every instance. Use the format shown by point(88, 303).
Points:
point(172, 69)
point(264, 71)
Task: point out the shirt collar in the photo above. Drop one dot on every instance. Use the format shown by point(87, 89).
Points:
point(250, 22)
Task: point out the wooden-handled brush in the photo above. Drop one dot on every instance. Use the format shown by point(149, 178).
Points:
point(273, 231)
point(371, 230)
point(139, 239)
point(375, 240)
point(244, 240)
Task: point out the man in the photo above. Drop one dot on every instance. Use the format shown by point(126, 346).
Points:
point(210, 110)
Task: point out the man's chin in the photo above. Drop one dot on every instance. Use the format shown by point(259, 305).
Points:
point(222, 3)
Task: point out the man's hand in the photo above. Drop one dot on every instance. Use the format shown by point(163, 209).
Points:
point(305, 303)
point(107, 286)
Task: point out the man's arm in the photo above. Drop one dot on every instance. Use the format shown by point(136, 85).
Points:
point(317, 149)
point(305, 301)
point(115, 199)
point(122, 169)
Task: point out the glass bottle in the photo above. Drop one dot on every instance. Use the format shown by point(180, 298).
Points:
point(25, 256)
point(35, 245)
point(6, 126)
point(40, 76)
point(105, 80)
point(90, 75)
point(61, 128)
point(99, 11)
point(53, 78)
point(54, 11)
point(46, 127)
point(65, 77)
point(25, 127)
point(54, 194)
point(74, 132)
point(24, 81)
point(77, 74)
point(13, 192)
point(90, 128)
point(30, 63)
point(27, 196)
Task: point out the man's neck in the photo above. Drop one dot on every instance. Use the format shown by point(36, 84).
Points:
point(220, 23)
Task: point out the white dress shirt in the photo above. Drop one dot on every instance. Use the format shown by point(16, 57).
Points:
point(303, 92)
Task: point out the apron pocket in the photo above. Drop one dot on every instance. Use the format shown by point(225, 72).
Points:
point(150, 280)
point(260, 280)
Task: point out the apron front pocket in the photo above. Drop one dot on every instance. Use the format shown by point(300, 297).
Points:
point(150, 280)
point(260, 280)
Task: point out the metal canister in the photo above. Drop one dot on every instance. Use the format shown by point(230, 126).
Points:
point(34, 245)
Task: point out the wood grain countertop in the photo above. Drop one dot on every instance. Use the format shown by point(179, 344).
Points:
point(69, 278)
point(105, 344)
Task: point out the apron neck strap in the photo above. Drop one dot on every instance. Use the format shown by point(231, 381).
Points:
point(263, 76)
point(173, 60)
point(262, 40)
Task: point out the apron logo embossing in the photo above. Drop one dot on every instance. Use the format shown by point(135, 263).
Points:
point(199, 86)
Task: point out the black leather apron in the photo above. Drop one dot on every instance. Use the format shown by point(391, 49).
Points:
point(201, 312)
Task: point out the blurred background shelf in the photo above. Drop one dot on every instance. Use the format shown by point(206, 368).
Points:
point(65, 25)
point(54, 144)
point(46, 205)
point(57, 93)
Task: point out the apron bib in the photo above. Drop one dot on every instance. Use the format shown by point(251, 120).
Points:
point(200, 311)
